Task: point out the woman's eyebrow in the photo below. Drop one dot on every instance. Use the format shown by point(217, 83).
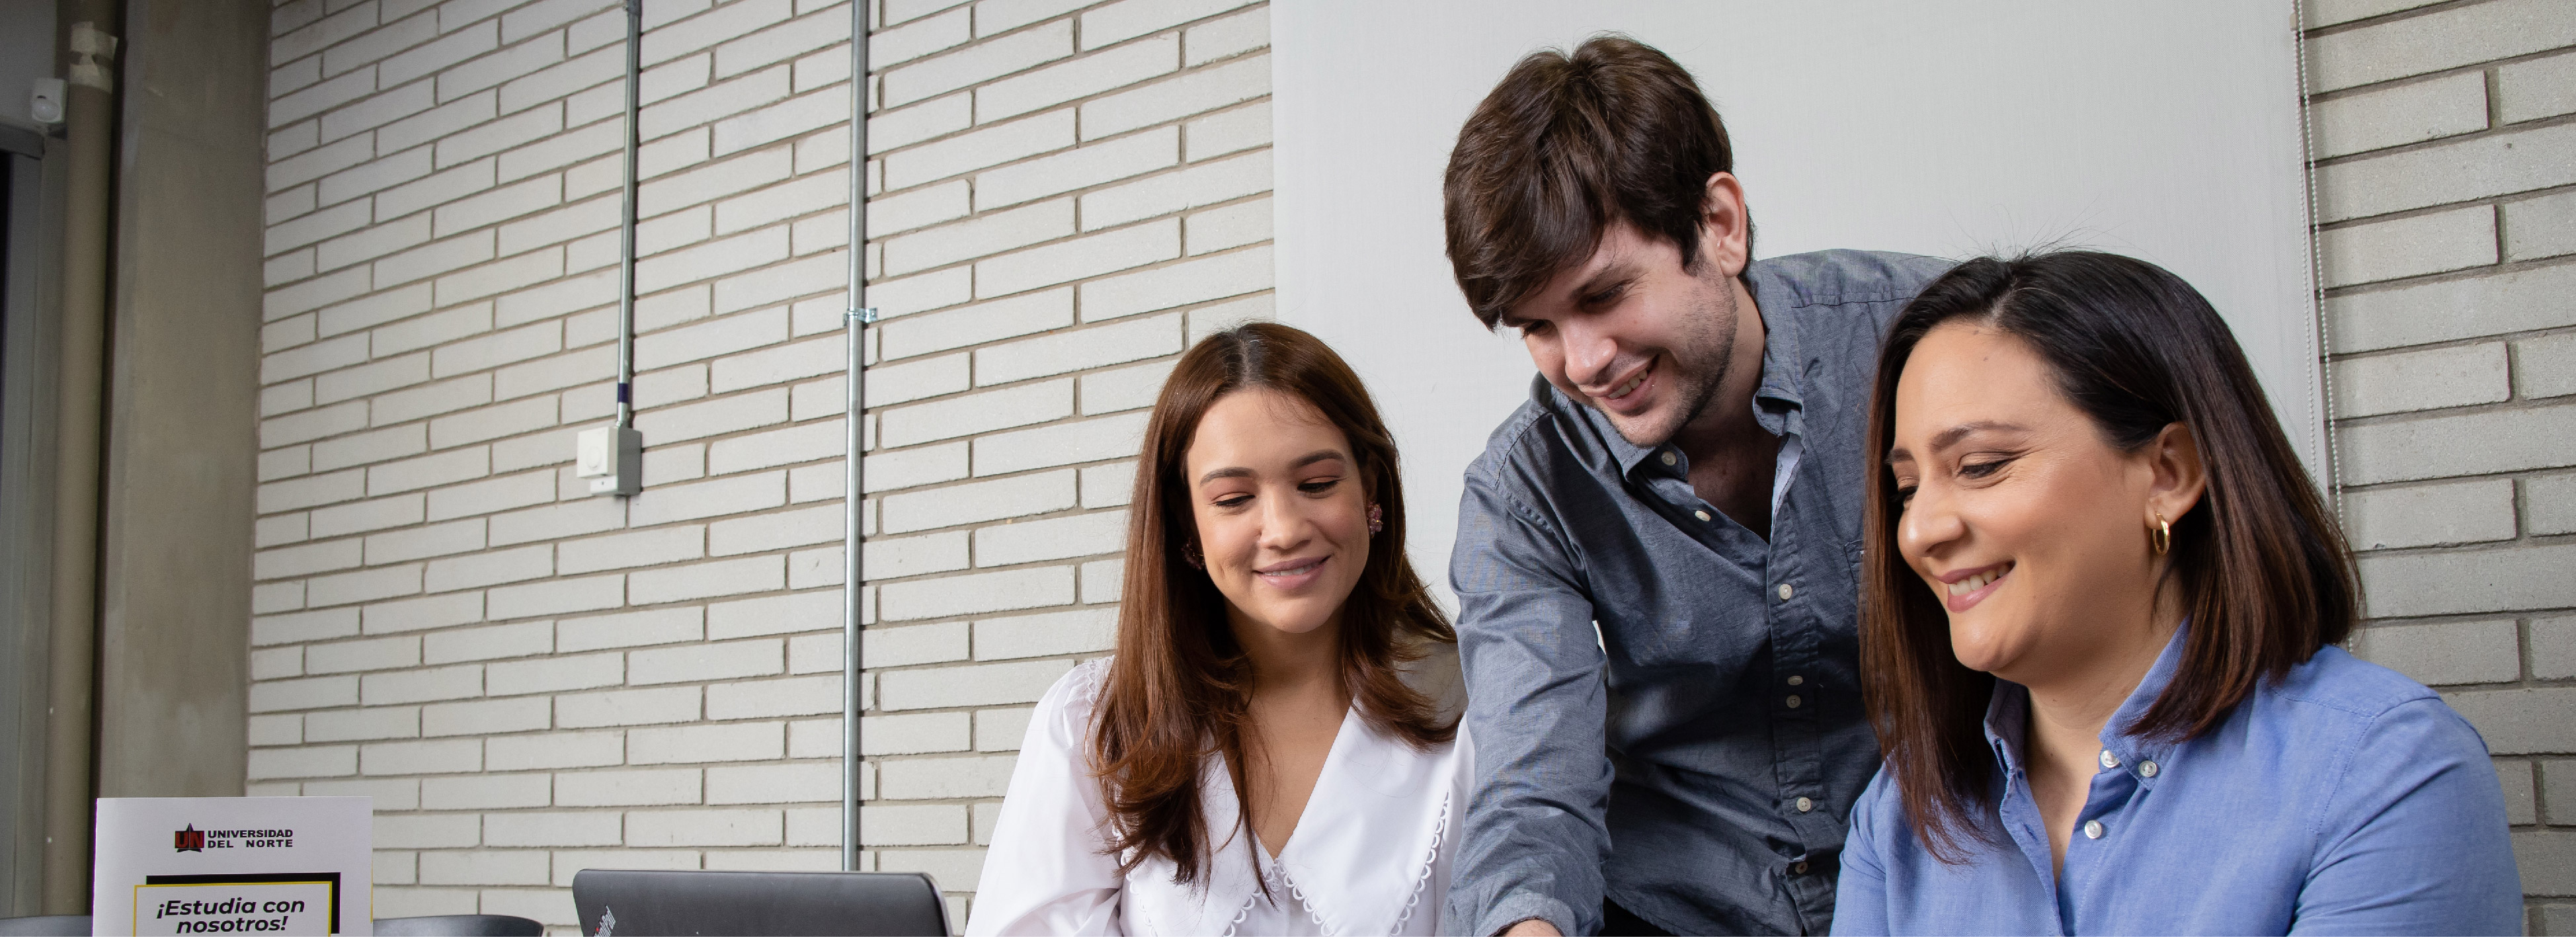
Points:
point(1950, 437)
point(1237, 471)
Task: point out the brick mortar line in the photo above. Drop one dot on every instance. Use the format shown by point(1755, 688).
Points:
point(563, 319)
point(1191, 306)
point(2520, 541)
point(2392, 16)
point(2320, 97)
point(1072, 17)
point(2491, 201)
point(2519, 618)
point(567, 276)
point(2314, 98)
point(2493, 129)
point(1176, 168)
point(2516, 474)
point(712, 396)
point(2553, 331)
point(1076, 328)
point(876, 159)
point(1078, 234)
point(2509, 405)
point(566, 131)
point(432, 76)
point(1185, 69)
point(2500, 268)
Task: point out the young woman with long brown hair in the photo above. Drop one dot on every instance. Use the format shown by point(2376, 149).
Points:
point(1271, 750)
point(2100, 604)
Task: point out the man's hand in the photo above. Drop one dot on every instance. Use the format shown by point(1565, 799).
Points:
point(1533, 927)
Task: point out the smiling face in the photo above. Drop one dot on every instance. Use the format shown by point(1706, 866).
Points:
point(2018, 515)
point(1632, 334)
point(1280, 509)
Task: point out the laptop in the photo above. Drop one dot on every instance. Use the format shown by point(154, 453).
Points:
point(655, 903)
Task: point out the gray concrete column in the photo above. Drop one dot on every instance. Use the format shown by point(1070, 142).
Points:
point(175, 542)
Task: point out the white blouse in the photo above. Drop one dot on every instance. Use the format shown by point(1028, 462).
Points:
point(1370, 855)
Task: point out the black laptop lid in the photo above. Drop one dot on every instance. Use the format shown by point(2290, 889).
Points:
point(661, 903)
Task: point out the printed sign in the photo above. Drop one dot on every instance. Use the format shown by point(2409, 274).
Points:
point(233, 865)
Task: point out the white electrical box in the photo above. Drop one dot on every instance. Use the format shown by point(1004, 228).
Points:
point(45, 101)
point(612, 457)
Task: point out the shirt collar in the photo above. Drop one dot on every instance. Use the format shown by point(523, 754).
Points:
point(1376, 795)
point(2008, 718)
point(2134, 752)
point(1777, 401)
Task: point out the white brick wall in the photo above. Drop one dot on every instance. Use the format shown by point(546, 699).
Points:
point(1060, 191)
point(2445, 139)
point(1060, 194)
point(530, 681)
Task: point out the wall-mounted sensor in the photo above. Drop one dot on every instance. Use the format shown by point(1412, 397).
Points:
point(612, 457)
point(45, 101)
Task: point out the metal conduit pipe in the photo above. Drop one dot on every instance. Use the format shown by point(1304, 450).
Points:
point(611, 457)
point(88, 223)
point(853, 491)
point(626, 230)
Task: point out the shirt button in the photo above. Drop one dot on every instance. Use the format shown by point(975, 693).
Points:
point(1702, 515)
point(1794, 702)
point(2147, 768)
point(1794, 680)
point(1786, 592)
point(1805, 805)
point(2092, 829)
point(2109, 761)
point(1669, 458)
point(1800, 868)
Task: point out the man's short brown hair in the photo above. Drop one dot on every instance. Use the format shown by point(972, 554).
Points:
point(1565, 147)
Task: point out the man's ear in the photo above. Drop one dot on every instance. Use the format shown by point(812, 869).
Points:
point(1725, 231)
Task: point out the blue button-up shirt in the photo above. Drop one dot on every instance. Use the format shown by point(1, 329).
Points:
point(1711, 728)
point(2345, 799)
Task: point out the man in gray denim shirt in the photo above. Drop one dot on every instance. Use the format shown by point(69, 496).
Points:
point(1686, 479)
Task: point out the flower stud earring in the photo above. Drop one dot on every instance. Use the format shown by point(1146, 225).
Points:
point(1377, 519)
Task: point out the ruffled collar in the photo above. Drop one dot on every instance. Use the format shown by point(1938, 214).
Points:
point(1353, 865)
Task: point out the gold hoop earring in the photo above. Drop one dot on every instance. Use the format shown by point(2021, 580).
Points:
point(2162, 536)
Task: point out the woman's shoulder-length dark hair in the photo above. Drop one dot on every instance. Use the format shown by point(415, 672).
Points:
point(1179, 688)
point(2260, 566)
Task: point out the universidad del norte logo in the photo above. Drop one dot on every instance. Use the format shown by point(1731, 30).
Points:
point(193, 839)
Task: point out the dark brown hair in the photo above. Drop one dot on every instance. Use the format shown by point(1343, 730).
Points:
point(1179, 689)
point(1566, 146)
point(2260, 566)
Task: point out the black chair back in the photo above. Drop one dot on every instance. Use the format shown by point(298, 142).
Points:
point(50, 925)
point(617, 903)
point(458, 925)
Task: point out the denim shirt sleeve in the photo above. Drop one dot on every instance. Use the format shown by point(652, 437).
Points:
point(1536, 835)
point(1860, 896)
point(2409, 843)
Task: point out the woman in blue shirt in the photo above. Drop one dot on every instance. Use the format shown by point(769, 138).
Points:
point(2100, 603)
